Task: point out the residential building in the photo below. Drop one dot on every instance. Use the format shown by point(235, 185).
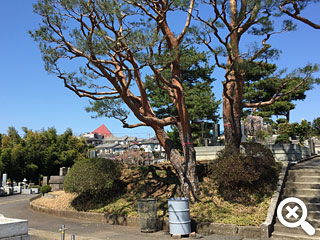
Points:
point(103, 131)
point(97, 136)
point(93, 138)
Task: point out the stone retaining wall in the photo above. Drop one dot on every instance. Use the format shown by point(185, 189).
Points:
point(207, 153)
point(289, 152)
point(281, 152)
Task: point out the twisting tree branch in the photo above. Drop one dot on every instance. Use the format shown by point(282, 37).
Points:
point(278, 94)
point(187, 24)
point(296, 14)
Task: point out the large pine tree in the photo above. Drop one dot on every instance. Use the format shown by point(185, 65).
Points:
point(263, 81)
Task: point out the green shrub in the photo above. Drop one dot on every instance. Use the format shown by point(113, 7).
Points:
point(246, 176)
point(286, 128)
point(93, 177)
point(45, 189)
point(282, 138)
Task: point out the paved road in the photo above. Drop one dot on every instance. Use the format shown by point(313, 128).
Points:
point(46, 227)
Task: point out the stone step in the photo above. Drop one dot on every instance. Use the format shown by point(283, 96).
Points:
point(303, 185)
point(279, 228)
point(313, 179)
point(305, 167)
point(314, 222)
point(311, 214)
point(313, 207)
point(289, 236)
point(303, 173)
point(300, 169)
point(305, 198)
point(310, 206)
point(307, 192)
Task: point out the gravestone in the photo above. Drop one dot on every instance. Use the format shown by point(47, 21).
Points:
point(253, 124)
point(216, 135)
point(216, 130)
point(45, 180)
point(312, 146)
point(316, 143)
point(26, 191)
point(243, 133)
point(56, 183)
point(92, 154)
point(63, 171)
point(4, 179)
point(17, 189)
point(206, 142)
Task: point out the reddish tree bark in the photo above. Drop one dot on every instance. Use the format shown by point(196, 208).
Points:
point(120, 68)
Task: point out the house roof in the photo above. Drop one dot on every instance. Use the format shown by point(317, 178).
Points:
point(114, 139)
point(104, 131)
point(150, 141)
point(121, 146)
point(107, 145)
point(131, 139)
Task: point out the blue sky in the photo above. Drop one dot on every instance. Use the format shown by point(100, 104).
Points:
point(32, 98)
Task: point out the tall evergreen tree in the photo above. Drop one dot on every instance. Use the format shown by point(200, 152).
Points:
point(262, 82)
point(200, 100)
point(112, 42)
point(224, 31)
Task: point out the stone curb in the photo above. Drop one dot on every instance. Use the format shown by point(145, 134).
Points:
point(267, 225)
point(36, 197)
point(205, 228)
point(96, 217)
point(228, 229)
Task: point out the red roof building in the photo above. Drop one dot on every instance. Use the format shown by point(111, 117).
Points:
point(103, 131)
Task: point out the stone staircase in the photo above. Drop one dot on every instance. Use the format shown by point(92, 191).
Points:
point(303, 182)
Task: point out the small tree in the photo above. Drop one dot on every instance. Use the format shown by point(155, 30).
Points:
point(286, 130)
point(302, 130)
point(45, 189)
point(94, 176)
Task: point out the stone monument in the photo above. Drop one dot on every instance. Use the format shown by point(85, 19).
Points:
point(4, 179)
point(15, 229)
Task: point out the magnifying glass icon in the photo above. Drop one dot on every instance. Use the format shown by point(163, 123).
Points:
point(306, 226)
